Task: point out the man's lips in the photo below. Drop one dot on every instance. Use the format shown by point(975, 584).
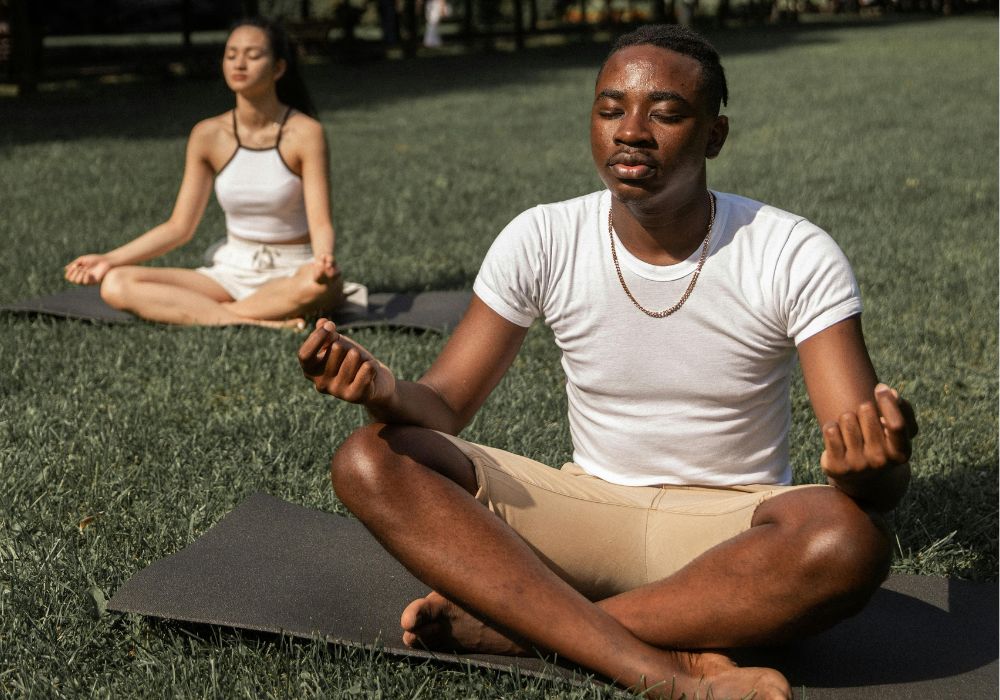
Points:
point(631, 165)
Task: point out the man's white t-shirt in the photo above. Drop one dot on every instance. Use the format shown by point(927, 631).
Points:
point(699, 397)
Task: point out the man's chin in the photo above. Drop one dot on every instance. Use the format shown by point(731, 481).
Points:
point(632, 190)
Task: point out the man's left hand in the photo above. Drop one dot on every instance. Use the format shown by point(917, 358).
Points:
point(860, 445)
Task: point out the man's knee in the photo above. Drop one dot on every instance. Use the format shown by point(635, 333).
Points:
point(834, 545)
point(360, 464)
point(379, 459)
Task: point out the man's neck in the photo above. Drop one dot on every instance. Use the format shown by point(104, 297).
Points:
point(663, 235)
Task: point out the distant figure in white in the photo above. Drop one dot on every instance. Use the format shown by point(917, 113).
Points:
point(434, 11)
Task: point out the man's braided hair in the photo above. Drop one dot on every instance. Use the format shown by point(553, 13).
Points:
point(681, 40)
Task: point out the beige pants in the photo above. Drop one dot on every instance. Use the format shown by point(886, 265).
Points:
point(605, 538)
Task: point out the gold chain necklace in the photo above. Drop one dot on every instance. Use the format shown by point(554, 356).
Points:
point(694, 277)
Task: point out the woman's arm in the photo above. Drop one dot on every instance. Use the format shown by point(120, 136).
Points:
point(192, 198)
point(309, 142)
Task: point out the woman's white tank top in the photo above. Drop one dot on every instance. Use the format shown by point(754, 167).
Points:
point(260, 195)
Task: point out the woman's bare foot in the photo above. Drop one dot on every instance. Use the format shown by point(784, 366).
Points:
point(436, 623)
point(294, 324)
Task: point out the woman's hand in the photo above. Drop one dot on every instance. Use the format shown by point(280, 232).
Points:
point(324, 268)
point(340, 367)
point(88, 269)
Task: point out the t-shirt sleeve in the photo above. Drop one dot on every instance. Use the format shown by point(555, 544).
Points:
point(509, 278)
point(814, 283)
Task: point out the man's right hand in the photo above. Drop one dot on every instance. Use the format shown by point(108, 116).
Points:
point(87, 269)
point(338, 366)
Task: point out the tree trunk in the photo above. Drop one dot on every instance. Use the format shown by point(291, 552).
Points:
point(27, 32)
point(519, 24)
point(412, 28)
point(187, 25)
point(722, 14)
point(684, 12)
point(389, 21)
point(468, 24)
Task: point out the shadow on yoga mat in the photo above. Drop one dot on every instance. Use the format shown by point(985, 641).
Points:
point(276, 567)
point(433, 311)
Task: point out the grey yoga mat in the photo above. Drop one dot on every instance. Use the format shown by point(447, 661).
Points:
point(435, 311)
point(276, 567)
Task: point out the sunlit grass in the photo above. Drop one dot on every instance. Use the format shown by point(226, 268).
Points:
point(885, 135)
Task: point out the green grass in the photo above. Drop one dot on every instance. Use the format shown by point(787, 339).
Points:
point(885, 134)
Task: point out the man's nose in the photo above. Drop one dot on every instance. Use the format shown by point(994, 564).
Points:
point(633, 128)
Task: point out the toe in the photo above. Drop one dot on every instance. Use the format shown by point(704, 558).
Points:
point(415, 615)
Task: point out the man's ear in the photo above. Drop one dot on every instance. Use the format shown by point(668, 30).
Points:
point(280, 66)
point(717, 136)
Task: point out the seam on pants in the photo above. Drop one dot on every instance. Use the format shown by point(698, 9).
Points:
point(781, 489)
point(540, 487)
point(645, 534)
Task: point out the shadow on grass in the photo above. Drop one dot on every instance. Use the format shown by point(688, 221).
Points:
point(928, 630)
point(943, 521)
point(156, 104)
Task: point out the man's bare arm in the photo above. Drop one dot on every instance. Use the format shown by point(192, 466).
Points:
point(867, 427)
point(446, 398)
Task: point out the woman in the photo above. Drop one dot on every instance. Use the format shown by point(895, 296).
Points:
point(268, 159)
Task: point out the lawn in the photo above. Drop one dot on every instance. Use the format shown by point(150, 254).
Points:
point(119, 445)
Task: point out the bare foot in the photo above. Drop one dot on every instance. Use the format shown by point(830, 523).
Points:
point(292, 324)
point(436, 623)
point(708, 675)
point(296, 323)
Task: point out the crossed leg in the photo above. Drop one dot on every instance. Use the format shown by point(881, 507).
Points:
point(292, 297)
point(182, 296)
point(789, 576)
point(413, 490)
point(811, 558)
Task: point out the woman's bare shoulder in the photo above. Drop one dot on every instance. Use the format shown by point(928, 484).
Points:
point(304, 130)
point(212, 131)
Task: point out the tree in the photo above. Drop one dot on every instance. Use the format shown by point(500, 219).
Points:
point(27, 31)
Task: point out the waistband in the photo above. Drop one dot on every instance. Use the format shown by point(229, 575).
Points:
point(293, 248)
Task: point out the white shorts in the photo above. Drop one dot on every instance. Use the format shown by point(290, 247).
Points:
point(242, 267)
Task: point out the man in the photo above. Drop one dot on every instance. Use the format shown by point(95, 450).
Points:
point(679, 312)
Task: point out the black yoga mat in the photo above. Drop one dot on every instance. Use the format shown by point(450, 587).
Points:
point(433, 311)
point(276, 567)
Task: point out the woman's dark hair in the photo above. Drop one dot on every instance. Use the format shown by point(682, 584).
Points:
point(291, 88)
